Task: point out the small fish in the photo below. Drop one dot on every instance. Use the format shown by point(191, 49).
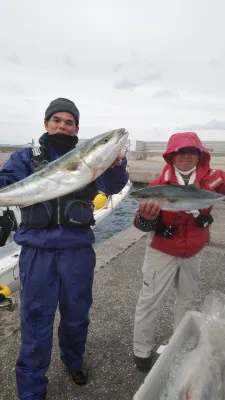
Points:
point(71, 172)
point(178, 197)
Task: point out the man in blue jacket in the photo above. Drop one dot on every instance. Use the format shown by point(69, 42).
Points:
point(57, 259)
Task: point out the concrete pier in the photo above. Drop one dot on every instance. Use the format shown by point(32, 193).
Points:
point(109, 354)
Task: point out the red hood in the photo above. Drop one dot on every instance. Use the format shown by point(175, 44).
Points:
point(186, 139)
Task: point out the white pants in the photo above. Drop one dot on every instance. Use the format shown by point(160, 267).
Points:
point(159, 271)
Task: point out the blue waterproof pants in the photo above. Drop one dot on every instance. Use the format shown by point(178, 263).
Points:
point(50, 278)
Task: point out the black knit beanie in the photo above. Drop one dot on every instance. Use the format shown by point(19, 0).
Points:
point(62, 105)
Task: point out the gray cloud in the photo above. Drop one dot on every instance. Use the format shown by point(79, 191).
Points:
point(164, 94)
point(14, 59)
point(131, 83)
point(12, 87)
point(211, 125)
point(153, 76)
point(126, 84)
point(69, 62)
point(117, 67)
point(215, 63)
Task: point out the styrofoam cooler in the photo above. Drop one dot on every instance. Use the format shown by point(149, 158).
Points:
point(158, 375)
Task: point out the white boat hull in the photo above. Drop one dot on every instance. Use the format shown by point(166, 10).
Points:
point(9, 267)
point(9, 254)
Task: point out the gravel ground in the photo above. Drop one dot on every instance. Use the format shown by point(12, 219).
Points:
point(109, 354)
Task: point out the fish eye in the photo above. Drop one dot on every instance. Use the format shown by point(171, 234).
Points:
point(105, 140)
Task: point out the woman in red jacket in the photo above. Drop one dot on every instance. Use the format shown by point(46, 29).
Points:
point(177, 240)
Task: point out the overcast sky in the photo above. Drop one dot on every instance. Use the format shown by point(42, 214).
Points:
point(154, 67)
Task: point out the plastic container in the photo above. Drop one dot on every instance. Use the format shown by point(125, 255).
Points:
point(155, 380)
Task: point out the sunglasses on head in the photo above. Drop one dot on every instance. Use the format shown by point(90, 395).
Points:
point(188, 150)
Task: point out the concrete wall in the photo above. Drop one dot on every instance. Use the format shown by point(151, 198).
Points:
point(215, 146)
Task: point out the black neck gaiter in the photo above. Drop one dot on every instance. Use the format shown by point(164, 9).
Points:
point(61, 141)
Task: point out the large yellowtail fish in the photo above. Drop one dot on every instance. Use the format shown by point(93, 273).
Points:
point(178, 197)
point(71, 172)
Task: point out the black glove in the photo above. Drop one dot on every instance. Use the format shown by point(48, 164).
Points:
point(202, 221)
point(164, 230)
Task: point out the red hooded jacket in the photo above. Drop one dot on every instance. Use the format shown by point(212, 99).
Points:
point(188, 239)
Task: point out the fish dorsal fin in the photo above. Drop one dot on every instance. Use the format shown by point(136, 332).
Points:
point(171, 200)
point(193, 186)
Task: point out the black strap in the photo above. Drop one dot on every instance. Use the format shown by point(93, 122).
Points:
point(39, 156)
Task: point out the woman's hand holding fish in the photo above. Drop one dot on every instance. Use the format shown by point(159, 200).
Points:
point(149, 209)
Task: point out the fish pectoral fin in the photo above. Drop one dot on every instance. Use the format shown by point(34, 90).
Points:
point(73, 166)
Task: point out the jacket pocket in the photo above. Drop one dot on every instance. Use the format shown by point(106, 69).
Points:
point(79, 212)
point(37, 216)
